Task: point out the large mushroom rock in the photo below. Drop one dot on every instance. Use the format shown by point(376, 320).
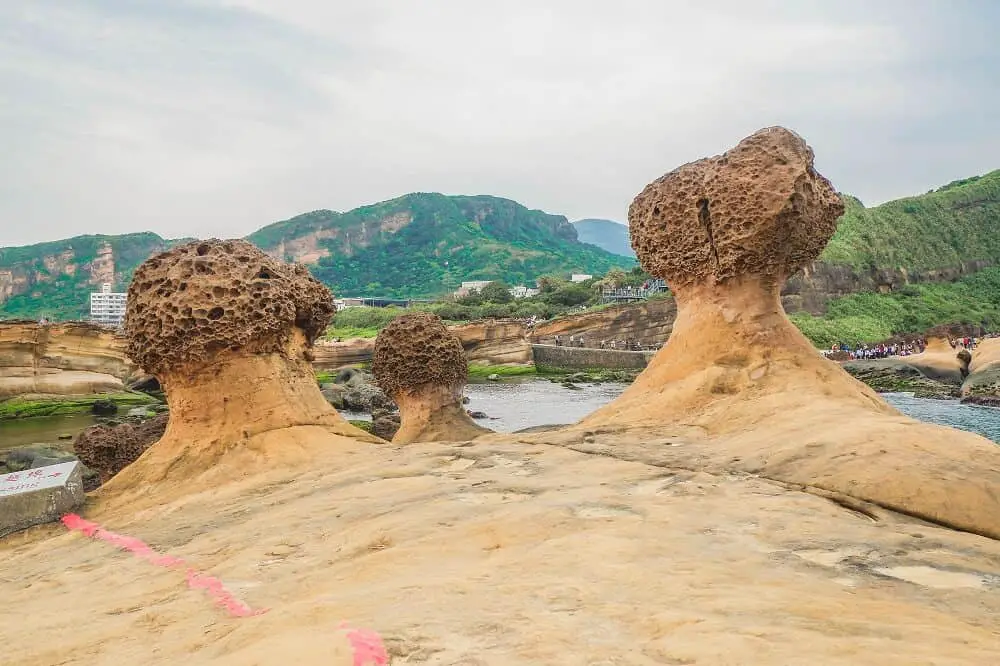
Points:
point(110, 449)
point(228, 332)
point(422, 367)
point(740, 386)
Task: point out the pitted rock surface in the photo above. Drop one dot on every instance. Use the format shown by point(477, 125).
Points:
point(417, 350)
point(198, 299)
point(759, 209)
point(110, 449)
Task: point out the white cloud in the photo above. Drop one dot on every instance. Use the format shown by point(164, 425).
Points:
point(218, 116)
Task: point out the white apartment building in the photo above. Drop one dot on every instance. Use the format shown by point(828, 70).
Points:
point(521, 291)
point(471, 286)
point(107, 307)
point(580, 277)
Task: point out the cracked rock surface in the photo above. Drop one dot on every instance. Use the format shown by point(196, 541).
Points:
point(759, 208)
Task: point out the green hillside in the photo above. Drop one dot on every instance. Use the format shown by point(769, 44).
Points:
point(55, 279)
point(427, 244)
point(872, 317)
point(957, 223)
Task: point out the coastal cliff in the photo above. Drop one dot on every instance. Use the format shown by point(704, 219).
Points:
point(60, 359)
point(489, 342)
point(494, 341)
point(649, 323)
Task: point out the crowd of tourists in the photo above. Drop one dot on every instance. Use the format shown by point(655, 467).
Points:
point(628, 344)
point(866, 352)
point(906, 348)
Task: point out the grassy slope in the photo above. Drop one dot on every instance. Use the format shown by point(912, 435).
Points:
point(870, 317)
point(955, 223)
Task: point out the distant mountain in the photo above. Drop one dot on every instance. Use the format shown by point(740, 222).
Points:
point(426, 244)
point(605, 234)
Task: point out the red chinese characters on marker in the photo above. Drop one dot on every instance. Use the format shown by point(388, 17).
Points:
point(35, 474)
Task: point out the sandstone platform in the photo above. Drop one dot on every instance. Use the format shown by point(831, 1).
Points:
point(511, 551)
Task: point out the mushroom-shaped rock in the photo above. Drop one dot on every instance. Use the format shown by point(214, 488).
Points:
point(422, 367)
point(228, 331)
point(741, 384)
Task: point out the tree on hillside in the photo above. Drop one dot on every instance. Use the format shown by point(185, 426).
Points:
point(496, 292)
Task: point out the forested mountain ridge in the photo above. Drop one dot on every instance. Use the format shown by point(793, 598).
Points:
point(425, 244)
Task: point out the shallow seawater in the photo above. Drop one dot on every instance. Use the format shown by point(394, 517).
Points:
point(42, 430)
point(984, 421)
point(514, 404)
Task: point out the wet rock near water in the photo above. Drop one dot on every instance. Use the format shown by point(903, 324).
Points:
point(597, 377)
point(901, 378)
point(355, 390)
point(334, 394)
point(385, 424)
point(982, 400)
point(104, 408)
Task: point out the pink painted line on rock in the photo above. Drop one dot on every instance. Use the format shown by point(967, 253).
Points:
point(213, 586)
point(366, 644)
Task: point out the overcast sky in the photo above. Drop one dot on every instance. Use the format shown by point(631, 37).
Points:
point(216, 117)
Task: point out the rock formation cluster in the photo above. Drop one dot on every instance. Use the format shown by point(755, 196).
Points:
point(744, 499)
point(422, 367)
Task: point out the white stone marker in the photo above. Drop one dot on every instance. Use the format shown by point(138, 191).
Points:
point(37, 496)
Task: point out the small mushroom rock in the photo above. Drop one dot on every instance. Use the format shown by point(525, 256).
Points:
point(422, 367)
point(741, 384)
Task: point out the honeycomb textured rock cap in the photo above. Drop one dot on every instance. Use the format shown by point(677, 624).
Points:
point(417, 350)
point(759, 209)
point(189, 303)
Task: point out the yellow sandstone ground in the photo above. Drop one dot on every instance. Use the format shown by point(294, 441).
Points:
point(507, 552)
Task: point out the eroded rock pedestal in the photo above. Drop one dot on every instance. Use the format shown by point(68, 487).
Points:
point(422, 367)
point(740, 385)
point(228, 332)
